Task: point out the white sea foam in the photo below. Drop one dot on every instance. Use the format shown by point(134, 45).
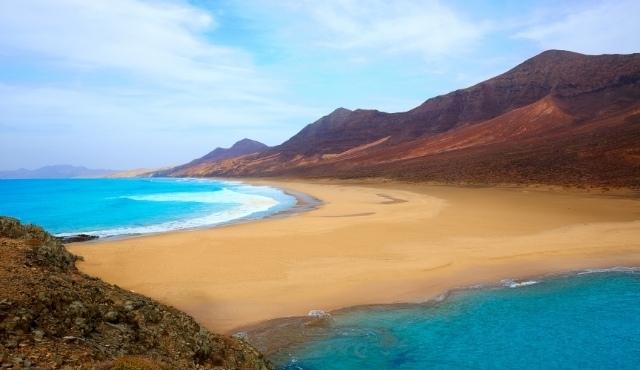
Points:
point(512, 284)
point(223, 196)
point(318, 313)
point(245, 206)
point(439, 298)
point(613, 269)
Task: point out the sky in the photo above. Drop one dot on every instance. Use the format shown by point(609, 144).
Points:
point(125, 84)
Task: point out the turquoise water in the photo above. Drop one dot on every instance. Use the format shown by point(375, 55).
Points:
point(583, 321)
point(111, 207)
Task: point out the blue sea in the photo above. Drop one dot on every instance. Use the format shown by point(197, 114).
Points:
point(578, 320)
point(116, 207)
point(582, 320)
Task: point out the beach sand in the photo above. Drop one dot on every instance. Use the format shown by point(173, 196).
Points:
point(370, 243)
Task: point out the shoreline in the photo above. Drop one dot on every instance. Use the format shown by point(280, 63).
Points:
point(362, 247)
point(304, 203)
point(270, 336)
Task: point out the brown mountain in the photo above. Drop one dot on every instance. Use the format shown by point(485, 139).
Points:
point(560, 117)
point(240, 148)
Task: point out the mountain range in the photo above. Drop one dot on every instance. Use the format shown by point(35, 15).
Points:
point(62, 171)
point(559, 117)
point(240, 148)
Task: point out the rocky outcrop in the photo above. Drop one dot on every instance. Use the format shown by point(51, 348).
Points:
point(557, 118)
point(45, 250)
point(76, 238)
point(54, 317)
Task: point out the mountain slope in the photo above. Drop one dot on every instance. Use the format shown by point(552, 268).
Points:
point(240, 148)
point(556, 118)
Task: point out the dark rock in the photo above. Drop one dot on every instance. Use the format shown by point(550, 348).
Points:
point(76, 238)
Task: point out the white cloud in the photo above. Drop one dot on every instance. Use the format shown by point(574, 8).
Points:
point(610, 27)
point(100, 69)
point(424, 28)
point(145, 39)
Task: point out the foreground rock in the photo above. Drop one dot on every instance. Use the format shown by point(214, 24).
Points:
point(54, 317)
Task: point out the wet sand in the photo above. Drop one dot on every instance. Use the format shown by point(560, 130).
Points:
point(370, 243)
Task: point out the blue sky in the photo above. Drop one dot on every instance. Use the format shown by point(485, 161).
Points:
point(123, 84)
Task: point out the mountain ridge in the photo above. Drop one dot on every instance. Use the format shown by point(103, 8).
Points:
point(240, 148)
point(579, 108)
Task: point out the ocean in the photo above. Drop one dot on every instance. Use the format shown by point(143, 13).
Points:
point(119, 207)
point(579, 320)
point(576, 320)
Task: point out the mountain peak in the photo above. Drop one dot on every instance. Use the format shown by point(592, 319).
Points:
point(340, 111)
point(248, 142)
point(240, 148)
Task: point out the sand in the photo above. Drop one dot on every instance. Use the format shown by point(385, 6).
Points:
point(370, 243)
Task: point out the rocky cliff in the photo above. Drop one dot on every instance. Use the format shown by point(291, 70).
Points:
point(54, 317)
point(559, 117)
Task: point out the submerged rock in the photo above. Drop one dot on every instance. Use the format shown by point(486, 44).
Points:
point(76, 238)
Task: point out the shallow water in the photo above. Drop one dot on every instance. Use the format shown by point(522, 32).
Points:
point(111, 207)
point(576, 321)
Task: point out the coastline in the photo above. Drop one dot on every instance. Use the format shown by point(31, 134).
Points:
point(276, 335)
point(361, 247)
point(303, 203)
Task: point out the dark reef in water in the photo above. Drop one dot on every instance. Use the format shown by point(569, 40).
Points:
point(54, 317)
point(76, 238)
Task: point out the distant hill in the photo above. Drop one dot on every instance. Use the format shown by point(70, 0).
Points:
point(559, 117)
point(139, 172)
point(240, 148)
point(54, 172)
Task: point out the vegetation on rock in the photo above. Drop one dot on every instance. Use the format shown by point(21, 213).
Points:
point(54, 317)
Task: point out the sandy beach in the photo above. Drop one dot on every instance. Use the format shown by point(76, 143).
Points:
point(370, 243)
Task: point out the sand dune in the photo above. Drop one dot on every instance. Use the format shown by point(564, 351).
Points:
point(370, 243)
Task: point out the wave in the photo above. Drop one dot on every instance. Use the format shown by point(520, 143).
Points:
point(513, 284)
point(246, 206)
point(318, 313)
point(223, 196)
point(613, 269)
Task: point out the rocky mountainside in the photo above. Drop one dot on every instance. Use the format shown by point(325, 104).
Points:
point(62, 171)
point(240, 148)
point(54, 317)
point(559, 117)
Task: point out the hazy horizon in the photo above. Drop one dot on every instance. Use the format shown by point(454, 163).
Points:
point(136, 84)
